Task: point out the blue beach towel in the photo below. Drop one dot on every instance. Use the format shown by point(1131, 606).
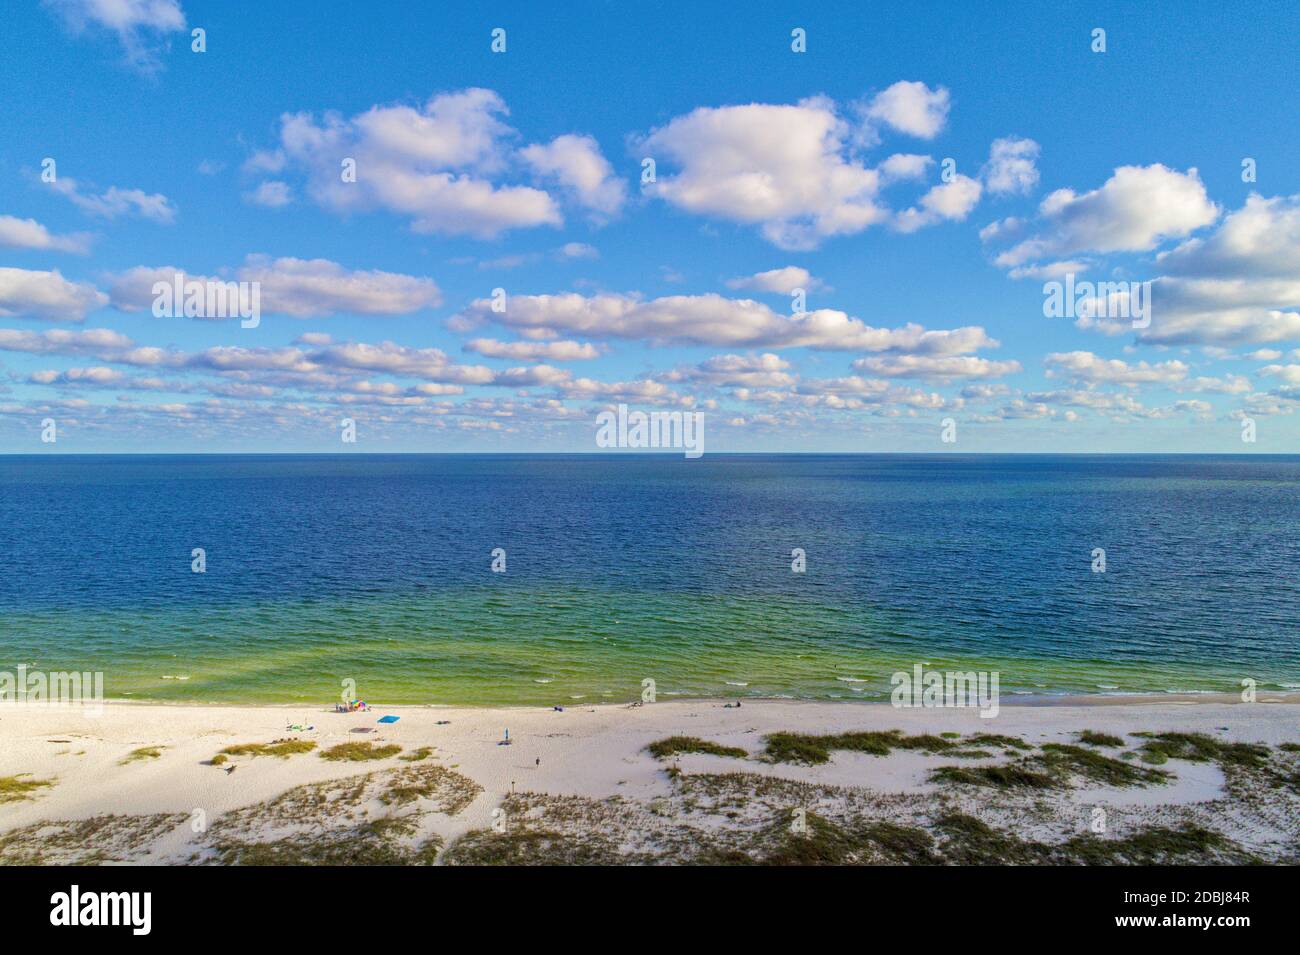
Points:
point(389, 719)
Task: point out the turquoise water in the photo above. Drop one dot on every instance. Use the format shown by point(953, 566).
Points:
point(376, 569)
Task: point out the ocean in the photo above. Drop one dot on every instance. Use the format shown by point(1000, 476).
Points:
point(377, 569)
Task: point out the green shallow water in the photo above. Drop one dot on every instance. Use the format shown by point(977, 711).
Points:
point(482, 647)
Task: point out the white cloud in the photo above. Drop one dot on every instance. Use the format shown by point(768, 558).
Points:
point(935, 367)
point(784, 168)
point(1260, 239)
point(1133, 211)
point(533, 351)
point(1084, 366)
point(30, 234)
point(433, 164)
point(577, 164)
point(1240, 285)
point(1011, 168)
point(117, 202)
point(59, 341)
point(904, 166)
point(952, 201)
point(141, 26)
point(577, 250)
point(297, 287)
point(273, 194)
point(778, 281)
point(46, 295)
point(713, 320)
point(96, 376)
point(737, 371)
point(911, 107)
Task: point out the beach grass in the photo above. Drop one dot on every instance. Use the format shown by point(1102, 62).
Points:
point(143, 753)
point(21, 787)
point(1093, 738)
point(677, 745)
point(282, 749)
point(359, 752)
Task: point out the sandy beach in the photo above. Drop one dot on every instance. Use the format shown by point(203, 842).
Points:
point(139, 783)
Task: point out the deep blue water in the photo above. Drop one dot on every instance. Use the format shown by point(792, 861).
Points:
point(377, 568)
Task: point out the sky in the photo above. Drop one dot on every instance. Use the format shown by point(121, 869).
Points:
point(823, 227)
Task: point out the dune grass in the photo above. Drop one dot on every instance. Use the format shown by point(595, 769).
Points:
point(143, 753)
point(20, 787)
point(282, 749)
point(676, 745)
point(1199, 748)
point(1094, 738)
point(359, 752)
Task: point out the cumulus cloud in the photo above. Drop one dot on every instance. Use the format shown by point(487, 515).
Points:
point(911, 107)
point(737, 371)
point(142, 27)
point(951, 201)
point(434, 164)
point(46, 295)
point(297, 287)
point(59, 341)
point(1261, 239)
point(116, 202)
point(533, 351)
point(1011, 169)
point(576, 163)
point(935, 367)
point(713, 320)
point(71, 376)
point(30, 234)
point(779, 281)
point(1134, 210)
point(784, 168)
point(1240, 285)
point(904, 166)
point(273, 194)
point(1084, 366)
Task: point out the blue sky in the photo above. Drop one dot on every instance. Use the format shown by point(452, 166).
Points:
point(522, 171)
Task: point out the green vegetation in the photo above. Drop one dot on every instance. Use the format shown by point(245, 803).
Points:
point(369, 844)
point(100, 840)
point(283, 748)
point(530, 847)
point(359, 752)
point(20, 787)
point(408, 786)
point(424, 752)
point(1065, 759)
point(1014, 776)
point(828, 843)
point(144, 752)
point(1093, 738)
point(994, 739)
point(675, 745)
point(812, 750)
point(1199, 748)
point(219, 760)
point(1052, 768)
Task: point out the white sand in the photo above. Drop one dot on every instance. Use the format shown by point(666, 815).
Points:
point(591, 751)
